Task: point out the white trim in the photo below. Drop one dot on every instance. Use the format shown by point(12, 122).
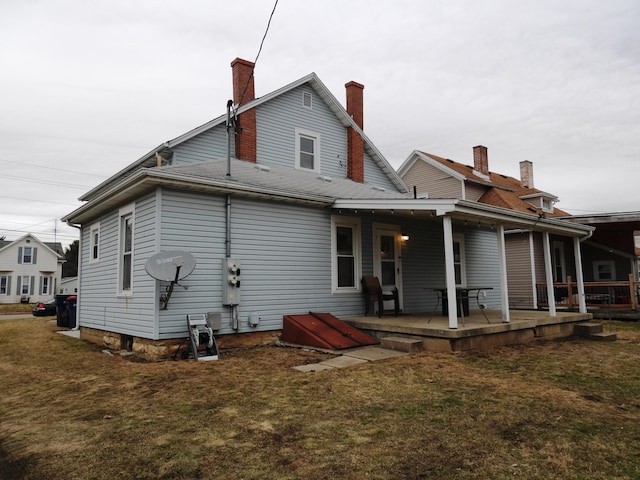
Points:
point(355, 224)
point(300, 133)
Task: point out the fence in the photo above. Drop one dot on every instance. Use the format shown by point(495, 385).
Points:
point(621, 294)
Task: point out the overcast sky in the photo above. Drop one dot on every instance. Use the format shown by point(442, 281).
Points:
point(89, 86)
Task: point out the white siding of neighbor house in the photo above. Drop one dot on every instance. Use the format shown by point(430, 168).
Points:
point(45, 265)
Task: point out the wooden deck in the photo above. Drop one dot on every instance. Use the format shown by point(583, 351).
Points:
point(473, 332)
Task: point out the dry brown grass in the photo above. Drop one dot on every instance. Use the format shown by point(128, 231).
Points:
point(565, 410)
point(15, 308)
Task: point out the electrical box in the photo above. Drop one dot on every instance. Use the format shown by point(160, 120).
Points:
point(254, 320)
point(230, 282)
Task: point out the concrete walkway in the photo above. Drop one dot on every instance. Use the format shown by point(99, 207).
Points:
point(352, 357)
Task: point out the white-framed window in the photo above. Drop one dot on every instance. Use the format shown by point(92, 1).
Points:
point(25, 285)
point(125, 263)
point(94, 243)
point(346, 258)
point(5, 284)
point(307, 150)
point(459, 266)
point(45, 285)
point(27, 255)
point(604, 271)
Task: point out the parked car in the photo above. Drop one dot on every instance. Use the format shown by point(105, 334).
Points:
point(45, 309)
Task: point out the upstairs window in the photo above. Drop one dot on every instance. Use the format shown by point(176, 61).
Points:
point(307, 150)
point(27, 255)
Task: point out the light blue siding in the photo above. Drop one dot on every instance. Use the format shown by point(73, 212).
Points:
point(100, 306)
point(209, 145)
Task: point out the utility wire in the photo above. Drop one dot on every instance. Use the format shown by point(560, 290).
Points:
point(46, 182)
point(258, 55)
point(51, 168)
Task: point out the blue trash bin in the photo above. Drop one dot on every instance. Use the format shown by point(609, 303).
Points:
point(71, 303)
point(62, 316)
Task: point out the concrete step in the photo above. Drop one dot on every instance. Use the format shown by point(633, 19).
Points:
point(401, 344)
point(604, 336)
point(587, 328)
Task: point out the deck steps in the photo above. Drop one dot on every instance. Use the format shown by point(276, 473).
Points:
point(594, 331)
point(401, 344)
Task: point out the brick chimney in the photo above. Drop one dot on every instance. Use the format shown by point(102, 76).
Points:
point(480, 159)
point(244, 92)
point(355, 143)
point(526, 174)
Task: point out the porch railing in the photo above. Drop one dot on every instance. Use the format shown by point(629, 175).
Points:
point(621, 294)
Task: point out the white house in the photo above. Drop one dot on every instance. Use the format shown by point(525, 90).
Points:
point(30, 270)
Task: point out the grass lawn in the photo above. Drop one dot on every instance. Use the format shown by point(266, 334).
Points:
point(555, 410)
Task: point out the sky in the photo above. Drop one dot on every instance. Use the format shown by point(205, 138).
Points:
point(88, 87)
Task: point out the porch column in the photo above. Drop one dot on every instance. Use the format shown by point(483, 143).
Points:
point(452, 298)
point(582, 302)
point(548, 270)
point(502, 256)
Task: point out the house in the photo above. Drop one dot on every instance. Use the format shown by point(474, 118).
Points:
point(30, 270)
point(530, 283)
point(280, 206)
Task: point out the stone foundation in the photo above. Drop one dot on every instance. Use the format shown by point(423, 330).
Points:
point(165, 349)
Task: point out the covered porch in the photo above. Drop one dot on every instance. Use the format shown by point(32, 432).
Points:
point(475, 332)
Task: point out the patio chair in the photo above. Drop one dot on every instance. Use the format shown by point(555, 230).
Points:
point(373, 292)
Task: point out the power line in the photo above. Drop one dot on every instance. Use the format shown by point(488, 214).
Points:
point(46, 182)
point(39, 201)
point(51, 168)
point(258, 55)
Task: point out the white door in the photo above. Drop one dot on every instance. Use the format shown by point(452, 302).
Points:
point(387, 259)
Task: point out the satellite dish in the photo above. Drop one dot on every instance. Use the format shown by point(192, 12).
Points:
point(170, 266)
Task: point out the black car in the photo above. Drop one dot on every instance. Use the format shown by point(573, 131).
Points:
point(45, 309)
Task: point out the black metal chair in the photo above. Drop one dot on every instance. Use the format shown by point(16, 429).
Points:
point(373, 293)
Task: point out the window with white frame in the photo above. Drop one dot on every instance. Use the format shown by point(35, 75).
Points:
point(28, 255)
point(25, 285)
point(94, 243)
point(604, 270)
point(125, 265)
point(4, 284)
point(307, 150)
point(45, 285)
point(459, 267)
point(346, 254)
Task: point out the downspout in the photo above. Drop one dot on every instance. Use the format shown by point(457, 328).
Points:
point(79, 227)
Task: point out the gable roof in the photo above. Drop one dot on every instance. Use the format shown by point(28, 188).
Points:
point(502, 190)
point(248, 180)
point(54, 247)
point(323, 92)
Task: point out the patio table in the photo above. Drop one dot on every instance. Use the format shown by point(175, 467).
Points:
point(462, 296)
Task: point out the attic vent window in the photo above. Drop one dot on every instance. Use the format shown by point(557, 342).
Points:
point(307, 99)
point(262, 168)
point(380, 189)
point(324, 178)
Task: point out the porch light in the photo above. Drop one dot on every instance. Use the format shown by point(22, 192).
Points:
point(404, 236)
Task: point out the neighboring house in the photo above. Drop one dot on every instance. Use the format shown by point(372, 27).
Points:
point(296, 196)
point(30, 270)
point(68, 286)
point(432, 176)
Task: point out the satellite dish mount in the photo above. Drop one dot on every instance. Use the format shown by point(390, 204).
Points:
point(170, 267)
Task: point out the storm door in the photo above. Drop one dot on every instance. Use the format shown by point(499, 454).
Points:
point(387, 259)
